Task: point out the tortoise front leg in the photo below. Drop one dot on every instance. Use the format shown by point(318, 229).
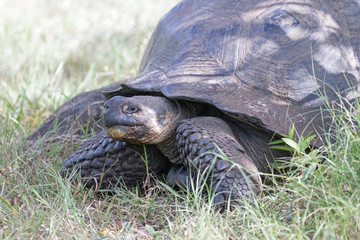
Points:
point(104, 162)
point(207, 145)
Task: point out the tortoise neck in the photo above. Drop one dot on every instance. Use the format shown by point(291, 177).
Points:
point(168, 146)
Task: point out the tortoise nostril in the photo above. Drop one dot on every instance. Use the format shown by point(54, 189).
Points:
point(106, 107)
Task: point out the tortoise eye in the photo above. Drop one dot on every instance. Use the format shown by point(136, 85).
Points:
point(131, 109)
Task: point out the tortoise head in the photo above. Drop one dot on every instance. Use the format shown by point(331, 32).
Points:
point(140, 119)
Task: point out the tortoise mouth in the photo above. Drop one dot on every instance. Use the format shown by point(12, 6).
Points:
point(119, 132)
point(120, 125)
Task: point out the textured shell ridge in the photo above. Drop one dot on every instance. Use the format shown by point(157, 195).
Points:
point(271, 62)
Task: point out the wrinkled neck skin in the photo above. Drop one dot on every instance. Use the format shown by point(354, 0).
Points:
point(168, 146)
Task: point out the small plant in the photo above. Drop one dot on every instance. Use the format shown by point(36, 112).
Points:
point(299, 148)
point(305, 158)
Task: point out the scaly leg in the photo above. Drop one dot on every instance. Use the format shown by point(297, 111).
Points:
point(104, 161)
point(208, 144)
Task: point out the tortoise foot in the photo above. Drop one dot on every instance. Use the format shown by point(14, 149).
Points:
point(208, 147)
point(103, 162)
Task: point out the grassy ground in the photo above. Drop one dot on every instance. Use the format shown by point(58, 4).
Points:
point(52, 50)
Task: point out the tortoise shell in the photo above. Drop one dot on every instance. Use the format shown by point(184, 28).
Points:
point(271, 63)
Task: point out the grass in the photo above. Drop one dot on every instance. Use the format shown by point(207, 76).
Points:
point(52, 50)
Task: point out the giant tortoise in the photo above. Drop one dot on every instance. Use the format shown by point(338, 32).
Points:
point(218, 81)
